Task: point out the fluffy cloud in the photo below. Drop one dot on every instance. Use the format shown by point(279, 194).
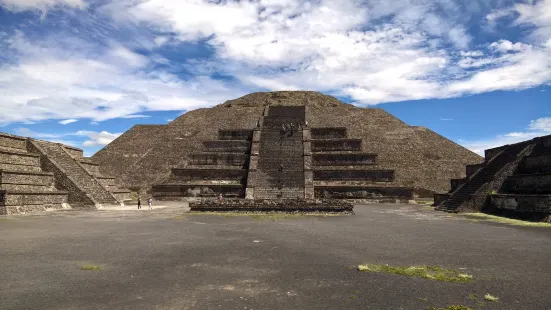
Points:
point(98, 138)
point(22, 5)
point(55, 79)
point(504, 46)
point(536, 128)
point(67, 121)
point(541, 124)
point(91, 138)
point(373, 52)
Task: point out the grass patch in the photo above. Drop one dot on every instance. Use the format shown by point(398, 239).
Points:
point(472, 296)
point(489, 297)
point(506, 220)
point(426, 272)
point(453, 307)
point(90, 267)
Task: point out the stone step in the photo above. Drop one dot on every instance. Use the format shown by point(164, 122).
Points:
point(31, 188)
point(83, 179)
point(20, 167)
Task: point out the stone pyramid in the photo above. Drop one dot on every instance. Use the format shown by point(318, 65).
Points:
point(236, 148)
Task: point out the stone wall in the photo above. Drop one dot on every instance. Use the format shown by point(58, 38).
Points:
point(209, 174)
point(522, 203)
point(337, 145)
point(76, 153)
point(329, 133)
point(92, 168)
point(233, 146)
point(19, 158)
point(351, 159)
point(235, 134)
point(260, 205)
point(231, 159)
point(20, 177)
point(536, 164)
point(172, 191)
point(539, 183)
point(363, 175)
point(362, 192)
point(11, 141)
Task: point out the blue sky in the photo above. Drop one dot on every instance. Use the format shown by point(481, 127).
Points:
point(82, 72)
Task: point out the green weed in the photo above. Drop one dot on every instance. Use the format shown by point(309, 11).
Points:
point(426, 272)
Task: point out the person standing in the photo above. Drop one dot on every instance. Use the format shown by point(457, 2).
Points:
point(139, 203)
point(150, 202)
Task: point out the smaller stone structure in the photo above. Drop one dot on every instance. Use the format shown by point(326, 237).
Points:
point(37, 175)
point(514, 178)
point(328, 206)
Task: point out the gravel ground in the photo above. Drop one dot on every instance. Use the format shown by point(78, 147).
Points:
point(167, 259)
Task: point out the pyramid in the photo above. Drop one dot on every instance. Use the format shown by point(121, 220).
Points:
point(286, 144)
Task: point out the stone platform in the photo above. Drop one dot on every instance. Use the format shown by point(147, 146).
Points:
point(283, 205)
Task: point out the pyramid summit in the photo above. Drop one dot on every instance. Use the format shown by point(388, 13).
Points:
point(286, 144)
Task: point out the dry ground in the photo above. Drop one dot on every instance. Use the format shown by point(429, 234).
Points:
point(159, 259)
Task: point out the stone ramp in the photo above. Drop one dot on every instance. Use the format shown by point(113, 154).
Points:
point(280, 160)
point(81, 179)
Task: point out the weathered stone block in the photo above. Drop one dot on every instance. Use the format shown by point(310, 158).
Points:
point(19, 158)
point(336, 145)
point(76, 153)
point(329, 133)
point(10, 141)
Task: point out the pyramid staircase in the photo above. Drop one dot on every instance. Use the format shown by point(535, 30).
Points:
point(280, 172)
point(82, 182)
point(499, 176)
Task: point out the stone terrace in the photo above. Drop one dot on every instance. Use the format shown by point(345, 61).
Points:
point(38, 175)
point(282, 158)
point(513, 177)
point(420, 158)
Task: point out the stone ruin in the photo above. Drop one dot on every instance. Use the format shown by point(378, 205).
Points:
point(513, 180)
point(38, 175)
point(247, 148)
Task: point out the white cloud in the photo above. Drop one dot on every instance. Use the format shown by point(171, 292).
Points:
point(536, 128)
point(50, 80)
point(136, 116)
point(99, 138)
point(536, 13)
point(22, 5)
point(504, 46)
point(324, 46)
point(67, 121)
point(374, 52)
point(446, 119)
point(93, 138)
point(161, 40)
point(471, 53)
point(541, 124)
